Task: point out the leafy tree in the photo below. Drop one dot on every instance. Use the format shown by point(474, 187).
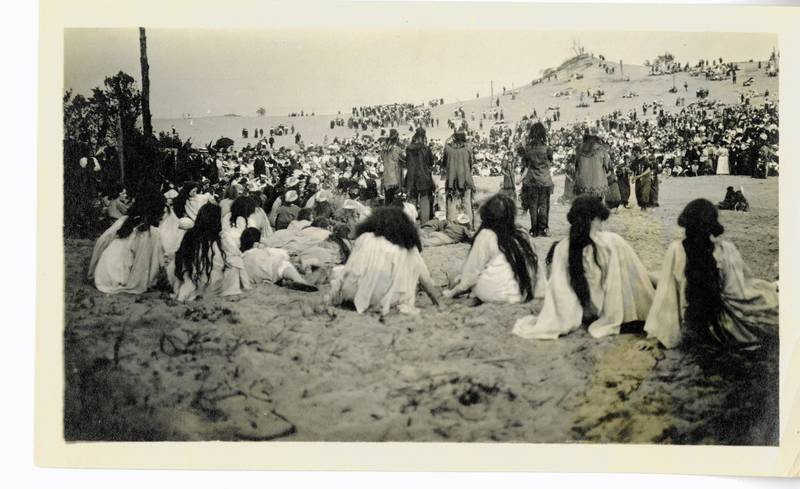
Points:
point(261, 112)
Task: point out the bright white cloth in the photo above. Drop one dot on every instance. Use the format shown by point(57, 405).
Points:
point(723, 167)
point(194, 203)
point(489, 275)
point(379, 275)
point(265, 264)
point(227, 277)
point(294, 239)
point(128, 264)
point(171, 233)
point(751, 305)
point(620, 290)
point(257, 219)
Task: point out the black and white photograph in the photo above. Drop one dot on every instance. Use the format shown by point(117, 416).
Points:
point(419, 235)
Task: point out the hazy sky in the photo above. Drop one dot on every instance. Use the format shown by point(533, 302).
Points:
point(222, 71)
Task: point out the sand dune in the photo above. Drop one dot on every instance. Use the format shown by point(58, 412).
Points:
point(275, 364)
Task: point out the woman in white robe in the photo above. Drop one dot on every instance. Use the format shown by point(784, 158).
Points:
point(208, 261)
point(244, 212)
point(128, 256)
point(723, 167)
point(385, 266)
point(706, 291)
point(488, 272)
point(595, 279)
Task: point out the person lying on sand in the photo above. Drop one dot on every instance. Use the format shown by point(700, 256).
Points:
point(317, 261)
point(501, 265)
point(385, 266)
point(439, 232)
point(269, 264)
point(596, 279)
point(706, 293)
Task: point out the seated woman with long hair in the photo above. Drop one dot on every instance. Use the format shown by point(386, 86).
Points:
point(269, 264)
point(205, 264)
point(706, 292)
point(501, 265)
point(181, 216)
point(595, 279)
point(245, 213)
point(188, 203)
point(127, 257)
point(385, 266)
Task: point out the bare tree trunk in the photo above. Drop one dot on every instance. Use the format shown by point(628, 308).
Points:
point(121, 149)
point(146, 118)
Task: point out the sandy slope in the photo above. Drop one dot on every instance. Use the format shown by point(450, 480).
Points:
point(275, 364)
point(541, 96)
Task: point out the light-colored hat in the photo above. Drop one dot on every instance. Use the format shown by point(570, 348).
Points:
point(171, 194)
point(291, 182)
point(291, 196)
point(440, 215)
point(350, 204)
point(462, 218)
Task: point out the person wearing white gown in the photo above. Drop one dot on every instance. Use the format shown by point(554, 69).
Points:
point(722, 162)
point(272, 265)
point(595, 279)
point(128, 256)
point(244, 212)
point(502, 265)
point(188, 203)
point(706, 292)
point(181, 217)
point(207, 262)
point(385, 266)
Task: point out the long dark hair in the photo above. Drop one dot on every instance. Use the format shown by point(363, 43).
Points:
point(249, 238)
point(584, 210)
point(243, 207)
point(537, 135)
point(179, 204)
point(703, 280)
point(393, 224)
point(147, 210)
point(498, 214)
point(195, 256)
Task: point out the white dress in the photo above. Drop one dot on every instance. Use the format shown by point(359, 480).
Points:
point(620, 290)
point(258, 219)
point(489, 275)
point(129, 264)
point(750, 305)
point(265, 264)
point(227, 277)
point(722, 162)
point(171, 233)
point(379, 275)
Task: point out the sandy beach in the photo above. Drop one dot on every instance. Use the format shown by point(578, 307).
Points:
point(277, 364)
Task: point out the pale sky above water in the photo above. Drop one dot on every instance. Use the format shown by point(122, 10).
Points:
point(219, 71)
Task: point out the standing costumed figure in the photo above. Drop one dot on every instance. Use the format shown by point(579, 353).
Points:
point(458, 161)
point(592, 160)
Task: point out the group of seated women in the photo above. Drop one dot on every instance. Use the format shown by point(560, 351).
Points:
point(591, 278)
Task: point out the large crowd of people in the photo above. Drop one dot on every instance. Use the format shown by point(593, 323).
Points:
point(356, 213)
